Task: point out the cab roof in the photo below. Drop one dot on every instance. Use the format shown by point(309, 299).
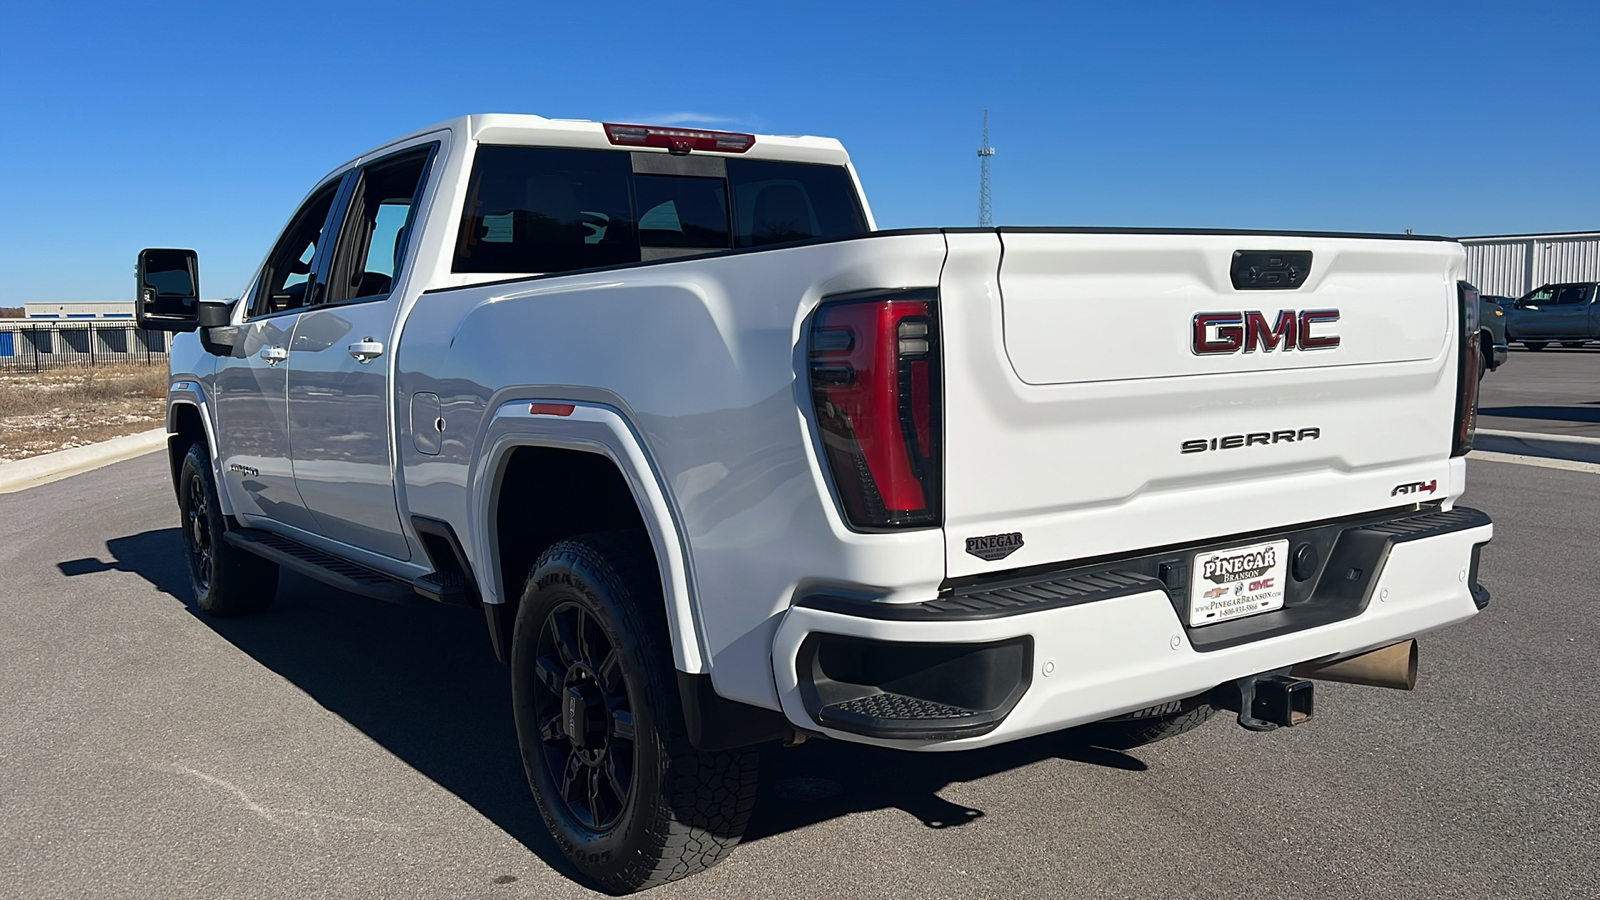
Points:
point(538, 131)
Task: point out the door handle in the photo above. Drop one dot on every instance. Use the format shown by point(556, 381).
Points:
point(366, 350)
point(274, 355)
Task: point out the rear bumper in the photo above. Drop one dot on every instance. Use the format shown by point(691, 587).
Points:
point(1107, 644)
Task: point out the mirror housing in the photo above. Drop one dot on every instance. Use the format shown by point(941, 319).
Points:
point(167, 294)
point(214, 313)
point(218, 334)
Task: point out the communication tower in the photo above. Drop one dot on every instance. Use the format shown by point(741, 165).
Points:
point(985, 214)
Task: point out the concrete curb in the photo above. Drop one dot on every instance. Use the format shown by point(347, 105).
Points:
point(37, 470)
point(1566, 465)
point(1532, 443)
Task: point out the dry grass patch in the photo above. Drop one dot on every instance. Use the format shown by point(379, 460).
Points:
point(70, 407)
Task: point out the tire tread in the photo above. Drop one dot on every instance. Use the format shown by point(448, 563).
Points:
point(708, 797)
point(1152, 724)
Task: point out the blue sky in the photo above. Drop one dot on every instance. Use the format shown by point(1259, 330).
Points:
point(203, 125)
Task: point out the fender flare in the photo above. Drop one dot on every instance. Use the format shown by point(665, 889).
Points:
point(600, 429)
point(190, 393)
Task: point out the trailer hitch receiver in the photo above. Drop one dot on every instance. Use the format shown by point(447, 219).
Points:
point(1267, 701)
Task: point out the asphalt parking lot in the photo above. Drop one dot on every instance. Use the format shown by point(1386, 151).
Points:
point(1553, 391)
point(339, 747)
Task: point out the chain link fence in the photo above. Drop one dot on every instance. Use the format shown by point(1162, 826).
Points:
point(36, 346)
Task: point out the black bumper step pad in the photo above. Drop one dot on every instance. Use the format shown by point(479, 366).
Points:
point(1434, 524)
point(898, 716)
point(912, 690)
point(1023, 595)
point(897, 706)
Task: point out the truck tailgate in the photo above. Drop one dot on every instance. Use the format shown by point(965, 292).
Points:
point(1081, 416)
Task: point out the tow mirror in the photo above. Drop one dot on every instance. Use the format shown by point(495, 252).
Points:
point(168, 296)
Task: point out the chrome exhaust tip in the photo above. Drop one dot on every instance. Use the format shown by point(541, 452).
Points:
point(1394, 666)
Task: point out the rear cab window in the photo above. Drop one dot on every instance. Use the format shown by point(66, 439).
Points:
point(540, 210)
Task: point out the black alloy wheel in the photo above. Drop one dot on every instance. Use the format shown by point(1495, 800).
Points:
point(585, 718)
point(628, 799)
point(226, 580)
point(197, 535)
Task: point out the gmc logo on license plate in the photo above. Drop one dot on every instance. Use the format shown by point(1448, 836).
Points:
point(1247, 331)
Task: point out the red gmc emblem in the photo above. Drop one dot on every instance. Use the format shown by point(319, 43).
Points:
point(1247, 332)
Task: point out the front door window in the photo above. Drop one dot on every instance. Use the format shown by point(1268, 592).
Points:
point(288, 277)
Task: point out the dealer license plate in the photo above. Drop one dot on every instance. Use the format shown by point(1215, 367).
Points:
point(1237, 582)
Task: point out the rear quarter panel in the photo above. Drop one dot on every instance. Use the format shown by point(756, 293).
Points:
point(702, 358)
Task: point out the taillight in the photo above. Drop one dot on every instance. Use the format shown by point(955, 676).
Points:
point(875, 386)
point(679, 140)
point(1466, 424)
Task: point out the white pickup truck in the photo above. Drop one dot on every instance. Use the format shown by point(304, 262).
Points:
point(723, 464)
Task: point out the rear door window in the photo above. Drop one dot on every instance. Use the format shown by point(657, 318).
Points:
point(1571, 294)
point(778, 202)
point(377, 226)
point(537, 209)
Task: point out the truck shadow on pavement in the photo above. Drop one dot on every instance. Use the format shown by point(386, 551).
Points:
point(422, 682)
point(822, 780)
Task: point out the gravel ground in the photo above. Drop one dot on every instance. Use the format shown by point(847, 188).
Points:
point(58, 409)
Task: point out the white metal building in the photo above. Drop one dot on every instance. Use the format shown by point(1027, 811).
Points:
point(114, 309)
point(1511, 265)
point(46, 342)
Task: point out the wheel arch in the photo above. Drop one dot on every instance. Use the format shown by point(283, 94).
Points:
point(189, 423)
point(592, 452)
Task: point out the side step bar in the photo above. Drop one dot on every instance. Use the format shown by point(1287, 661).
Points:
point(324, 567)
point(451, 580)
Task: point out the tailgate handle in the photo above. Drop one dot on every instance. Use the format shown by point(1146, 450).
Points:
point(1270, 270)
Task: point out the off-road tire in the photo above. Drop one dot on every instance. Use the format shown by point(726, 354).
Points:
point(226, 580)
point(685, 809)
point(1155, 723)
